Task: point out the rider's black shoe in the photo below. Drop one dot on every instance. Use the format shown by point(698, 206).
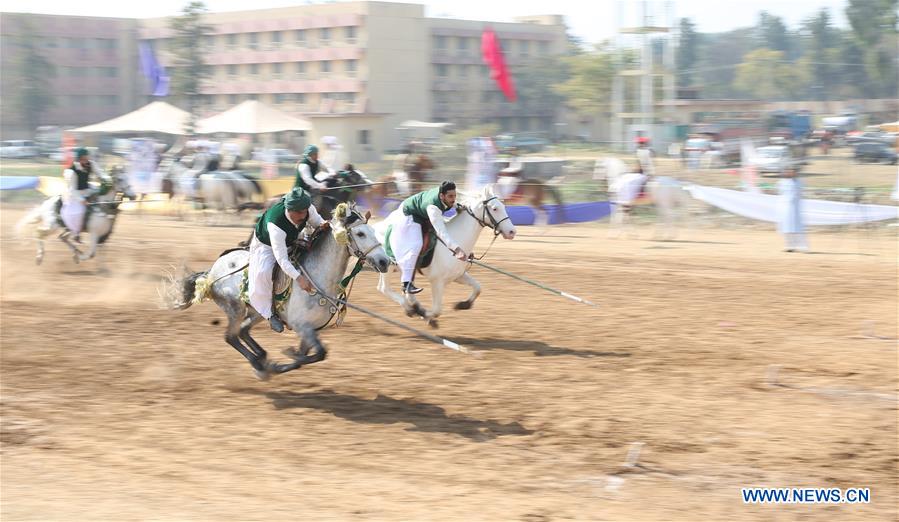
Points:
point(409, 288)
point(276, 323)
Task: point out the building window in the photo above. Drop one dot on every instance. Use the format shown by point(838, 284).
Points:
point(324, 35)
point(463, 71)
point(253, 42)
point(254, 69)
point(111, 72)
point(209, 42)
point(232, 71)
point(441, 70)
point(300, 37)
point(325, 67)
point(462, 46)
point(79, 72)
point(351, 66)
point(232, 99)
point(50, 42)
point(524, 47)
point(232, 42)
point(351, 34)
point(349, 97)
point(279, 98)
point(364, 137)
point(301, 69)
point(543, 48)
point(276, 70)
point(276, 40)
point(301, 98)
point(440, 43)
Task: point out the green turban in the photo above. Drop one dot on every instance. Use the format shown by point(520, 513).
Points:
point(310, 149)
point(297, 199)
point(81, 151)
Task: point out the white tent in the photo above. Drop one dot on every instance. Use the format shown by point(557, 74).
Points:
point(155, 117)
point(414, 124)
point(251, 117)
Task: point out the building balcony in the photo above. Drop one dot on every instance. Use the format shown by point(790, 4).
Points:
point(285, 55)
point(264, 86)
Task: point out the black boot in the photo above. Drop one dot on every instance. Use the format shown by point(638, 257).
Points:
point(276, 323)
point(409, 288)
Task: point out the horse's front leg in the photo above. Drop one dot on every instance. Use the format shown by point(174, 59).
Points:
point(76, 254)
point(437, 288)
point(92, 251)
point(308, 340)
point(466, 279)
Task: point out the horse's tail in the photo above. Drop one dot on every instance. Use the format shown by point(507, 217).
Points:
point(180, 292)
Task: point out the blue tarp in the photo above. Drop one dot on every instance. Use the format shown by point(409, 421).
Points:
point(524, 215)
point(18, 182)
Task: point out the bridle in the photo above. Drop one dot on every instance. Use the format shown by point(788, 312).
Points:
point(494, 224)
point(351, 243)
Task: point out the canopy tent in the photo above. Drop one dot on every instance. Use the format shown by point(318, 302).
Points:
point(155, 117)
point(415, 124)
point(251, 117)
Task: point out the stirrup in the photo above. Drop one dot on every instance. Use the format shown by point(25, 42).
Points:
point(411, 289)
point(276, 323)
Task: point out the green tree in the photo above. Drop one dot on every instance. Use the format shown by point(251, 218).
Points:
point(822, 55)
point(764, 75)
point(33, 94)
point(189, 71)
point(588, 88)
point(772, 33)
point(874, 26)
point(719, 56)
point(687, 52)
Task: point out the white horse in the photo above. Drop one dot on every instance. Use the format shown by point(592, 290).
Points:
point(305, 314)
point(475, 212)
point(102, 213)
point(219, 190)
point(666, 194)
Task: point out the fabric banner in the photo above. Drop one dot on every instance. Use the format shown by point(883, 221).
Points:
point(815, 212)
point(18, 182)
point(492, 53)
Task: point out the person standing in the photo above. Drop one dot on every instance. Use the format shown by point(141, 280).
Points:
point(790, 222)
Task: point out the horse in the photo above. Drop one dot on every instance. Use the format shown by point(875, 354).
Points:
point(343, 189)
point(102, 214)
point(349, 233)
point(474, 213)
point(666, 194)
point(219, 190)
point(533, 193)
point(409, 174)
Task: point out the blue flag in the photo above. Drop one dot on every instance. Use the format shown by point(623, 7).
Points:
point(154, 71)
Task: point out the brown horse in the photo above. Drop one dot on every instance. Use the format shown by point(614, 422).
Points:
point(409, 175)
point(531, 192)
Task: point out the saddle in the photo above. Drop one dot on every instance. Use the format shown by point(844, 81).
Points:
point(57, 211)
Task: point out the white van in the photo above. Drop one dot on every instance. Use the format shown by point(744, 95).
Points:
point(18, 149)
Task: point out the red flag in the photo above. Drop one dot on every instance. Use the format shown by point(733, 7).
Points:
point(493, 57)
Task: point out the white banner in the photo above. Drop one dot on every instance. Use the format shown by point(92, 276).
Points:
point(815, 212)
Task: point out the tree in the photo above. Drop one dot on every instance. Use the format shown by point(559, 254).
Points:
point(687, 52)
point(33, 94)
point(822, 54)
point(874, 26)
point(719, 56)
point(772, 33)
point(588, 88)
point(764, 75)
point(188, 50)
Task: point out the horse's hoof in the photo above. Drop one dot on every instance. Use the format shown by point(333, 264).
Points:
point(433, 323)
point(410, 312)
point(38, 260)
point(76, 259)
point(463, 305)
point(262, 375)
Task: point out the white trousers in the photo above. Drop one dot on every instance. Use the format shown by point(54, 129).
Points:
point(72, 213)
point(796, 241)
point(262, 263)
point(405, 241)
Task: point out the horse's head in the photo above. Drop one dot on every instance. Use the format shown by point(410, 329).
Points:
point(116, 182)
point(351, 228)
point(488, 209)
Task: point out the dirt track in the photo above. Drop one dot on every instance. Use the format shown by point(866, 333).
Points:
point(113, 409)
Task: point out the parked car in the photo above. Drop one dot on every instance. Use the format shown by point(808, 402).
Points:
point(774, 158)
point(875, 152)
point(522, 142)
point(18, 149)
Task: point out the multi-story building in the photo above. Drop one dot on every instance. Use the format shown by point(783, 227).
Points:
point(95, 72)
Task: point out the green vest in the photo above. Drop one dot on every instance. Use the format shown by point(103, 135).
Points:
point(83, 176)
point(417, 205)
point(313, 169)
point(277, 215)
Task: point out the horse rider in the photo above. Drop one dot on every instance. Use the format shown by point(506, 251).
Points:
point(312, 174)
point(645, 156)
point(79, 192)
point(277, 230)
point(510, 176)
point(417, 214)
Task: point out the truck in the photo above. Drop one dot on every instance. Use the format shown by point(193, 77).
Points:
point(791, 125)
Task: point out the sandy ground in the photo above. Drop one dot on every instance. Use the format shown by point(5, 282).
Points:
point(113, 409)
